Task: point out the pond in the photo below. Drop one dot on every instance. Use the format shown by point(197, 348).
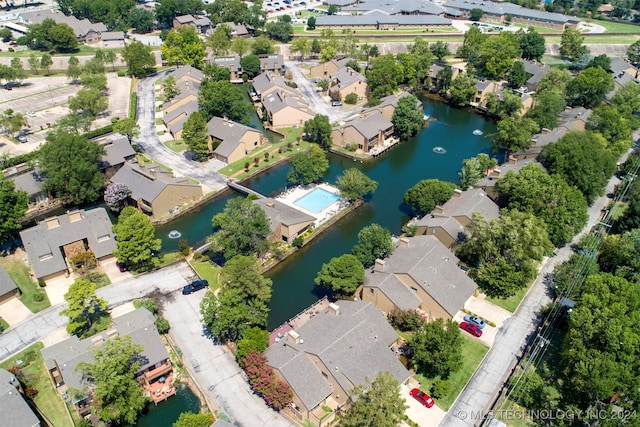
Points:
point(166, 413)
point(437, 152)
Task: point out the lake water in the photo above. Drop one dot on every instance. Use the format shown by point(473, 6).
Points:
point(166, 413)
point(437, 152)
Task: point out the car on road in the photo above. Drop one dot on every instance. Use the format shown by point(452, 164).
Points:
point(21, 137)
point(475, 320)
point(336, 104)
point(471, 328)
point(194, 286)
point(422, 397)
point(123, 267)
point(31, 114)
point(8, 87)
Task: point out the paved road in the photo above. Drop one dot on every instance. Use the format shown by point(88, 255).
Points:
point(485, 384)
point(151, 145)
point(215, 371)
point(163, 281)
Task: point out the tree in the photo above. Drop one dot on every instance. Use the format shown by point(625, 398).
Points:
point(254, 339)
point(341, 274)
point(84, 308)
point(222, 99)
point(439, 49)
point(13, 122)
point(532, 44)
point(63, 38)
point(18, 69)
point(476, 14)
point(94, 81)
point(13, 205)
point(169, 88)
point(46, 62)
point(509, 105)
point(141, 20)
point(548, 105)
point(89, 101)
point(220, 40)
point(229, 315)
point(139, 58)
point(517, 75)
point(497, 55)
point(111, 57)
point(407, 118)
point(601, 61)
point(311, 23)
point(318, 130)
point(194, 134)
point(243, 228)
point(34, 63)
point(615, 126)
point(136, 243)
point(473, 40)
point(581, 158)
point(555, 80)
point(427, 194)
point(383, 76)
point(571, 44)
point(69, 164)
point(115, 196)
point(474, 169)
point(351, 98)
point(309, 166)
point(183, 46)
point(374, 242)
point(437, 348)
point(127, 127)
point(281, 30)
point(443, 79)
point(376, 404)
point(6, 34)
point(244, 273)
point(262, 46)
point(462, 89)
point(73, 68)
point(240, 45)
point(514, 134)
point(119, 397)
point(301, 45)
point(251, 65)
point(353, 184)
point(189, 419)
point(633, 52)
point(316, 47)
point(589, 88)
point(563, 208)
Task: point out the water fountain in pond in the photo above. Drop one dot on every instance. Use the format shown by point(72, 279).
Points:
point(175, 234)
point(439, 150)
point(477, 132)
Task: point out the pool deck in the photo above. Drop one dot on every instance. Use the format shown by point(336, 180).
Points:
point(290, 196)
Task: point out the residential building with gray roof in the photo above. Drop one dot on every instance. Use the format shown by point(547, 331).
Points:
point(364, 133)
point(339, 347)
point(117, 150)
point(15, 411)
point(85, 30)
point(8, 288)
point(56, 239)
point(231, 141)
point(286, 222)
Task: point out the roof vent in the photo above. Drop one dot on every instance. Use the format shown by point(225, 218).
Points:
point(334, 309)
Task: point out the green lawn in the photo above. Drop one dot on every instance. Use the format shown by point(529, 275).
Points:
point(473, 352)
point(3, 324)
point(100, 279)
point(208, 271)
point(33, 297)
point(618, 210)
point(511, 303)
point(169, 258)
point(82, 50)
point(35, 374)
point(618, 27)
point(177, 145)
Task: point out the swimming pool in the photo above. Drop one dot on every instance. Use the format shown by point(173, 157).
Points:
point(317, 200)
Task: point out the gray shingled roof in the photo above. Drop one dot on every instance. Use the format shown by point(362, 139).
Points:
point(619, 65)
point(448, 224)
point(509, 8)
point(30, 181)
point(43, 244)
point(186, 88)
point(139, 324)
point(353, 345)
point(490, 181)
point(434, 268)
point(279, 213)
point(278, 100)
point(265, 81)
point(182, 114)
point(81, 27)
point(271, 62)
point(14, 409)
point(370, 125)
point(543, 139)
point(468, 202)
point(376, 17)
point(187, 70)
point(346, 76)
point(389, 100)
point(117, 150)
point(227, 62)
point(227, 131)
point(571, 114)
point(7, 285)
point(112, 35)
point(394, 289)
point(393, 7)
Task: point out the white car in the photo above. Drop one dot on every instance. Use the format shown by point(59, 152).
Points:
point(31, 114)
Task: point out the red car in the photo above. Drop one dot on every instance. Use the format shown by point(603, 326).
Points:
point(422, 397)
point(472, 329)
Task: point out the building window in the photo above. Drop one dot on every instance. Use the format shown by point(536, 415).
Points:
point(103, 238)
point(414, 289)
point(372, 291)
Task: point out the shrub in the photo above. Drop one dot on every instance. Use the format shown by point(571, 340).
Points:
point(297, 242)
point(31, 391)
point(162, 324)
point(147, 303)
point(41, 283)
point(183, 244)
point(440, 388)
point(351, 147)
point(197, 255)
point(99, 132)
point(408, 320)
point(39, 295)
point(122, 73)
point(351, 98)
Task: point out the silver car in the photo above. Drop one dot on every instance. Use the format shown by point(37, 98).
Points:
point(475, 320)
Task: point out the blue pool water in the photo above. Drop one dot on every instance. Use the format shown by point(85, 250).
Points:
point(316, 200)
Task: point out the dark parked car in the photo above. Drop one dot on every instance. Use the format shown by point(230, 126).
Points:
point(8, 87)
point(475, 320)
point(422, 397)
point(472, 329)
point(123, 267)
point(194, 287)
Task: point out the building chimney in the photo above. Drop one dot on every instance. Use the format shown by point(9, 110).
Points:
point(379, 264)
point(271, 205)
point(496, 173)
point(74, 216)
point(294, 337)
point(513, 160)
point(334, 309)
point(438, 210)
point(404, 242)
point(52, 222)
point(457, 193)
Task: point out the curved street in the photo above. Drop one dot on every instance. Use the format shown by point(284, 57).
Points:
point(152, 146)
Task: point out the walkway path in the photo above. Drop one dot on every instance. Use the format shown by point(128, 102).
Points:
point(484, 386)
point(152, 146)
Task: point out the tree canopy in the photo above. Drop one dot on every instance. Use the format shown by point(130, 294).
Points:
point(318, 130)
point(514, 134)
point(250, 64)
point(546, 109)
point(427, 194)
point(49, 35)
point(136, 243)
point(243, 228)
point(189, 419)
point(437, 348)
point(383, 76)
point(462, 89)
point(474, 169)
point(127, 127)
point(374, 242)
point(571, 44)
point(589, 88)
point(84, 308)
point(309, 166)
point(69, 164)
point(341, 274)
point(13, 204)
point(353, 184)
point(245, 274)
point(222, 99)
point(407, 118)
point(195, 134)
point(139, 58)
point(183, 46)
point(532, 44)
point(497, 55)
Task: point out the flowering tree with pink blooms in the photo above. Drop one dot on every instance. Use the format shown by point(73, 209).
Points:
point(276, 393)
point(115, 196)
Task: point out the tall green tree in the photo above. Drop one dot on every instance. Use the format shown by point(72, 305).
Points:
point(374, 242)
point(407, 118)
point(280, 30)
point(13, 204)
point(254, 339)
point(183, 46)
point(84, 308)
point(243, 228)
point(169, 88)
point(473, 40)
point(462, 89)
point(139, 58)
point(437, 348)
point(136, 243)
point(532, 44)
point(572, 44)
point(383, 76)
point(376, 404)
point(517, 75)
point(615, 126)
point(509, 105)
point(17, 68)
point(555, 80)
point(309, 166)
point(427, 194)
point(548, 105)
point(341, 274)
point(127, 127)
point(439, 49)
point(94, 81)
point(73, 68)
point(262, 46)
point(474, 169)
point(194, 133)
point(34, 62)
point(189, 419)
point(353, 184)
point(633, 52)
point(498, 54)
point(250, 65)
point(141, 19)
point(589, 88)
point(118, 395)
point(245, 274)
point(89, 101)
point(318, 130)
point(514, 134)
point(69, 164)
point(46, 62)
point(222, 99)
